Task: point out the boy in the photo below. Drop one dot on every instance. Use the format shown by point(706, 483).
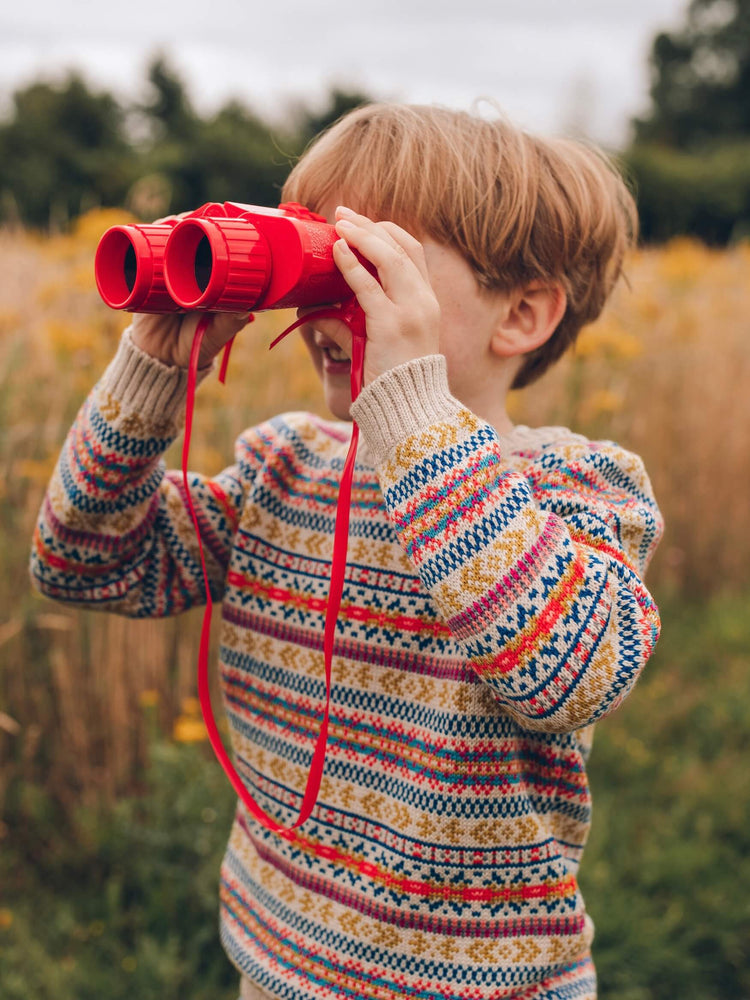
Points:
point(493, 606)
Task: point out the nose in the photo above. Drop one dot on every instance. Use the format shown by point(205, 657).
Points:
point(322, 341)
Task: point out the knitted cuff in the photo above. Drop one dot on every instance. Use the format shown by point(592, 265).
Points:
point(402, 402)
point(144, 385)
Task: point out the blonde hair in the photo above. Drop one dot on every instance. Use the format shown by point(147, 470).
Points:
point(518, 208)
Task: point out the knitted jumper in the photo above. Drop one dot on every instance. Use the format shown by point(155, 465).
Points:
point(493, 609)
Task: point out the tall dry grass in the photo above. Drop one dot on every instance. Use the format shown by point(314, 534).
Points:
point(664, 372)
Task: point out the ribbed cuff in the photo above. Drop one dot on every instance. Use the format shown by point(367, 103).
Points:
point(142, 384)
point(402, 402)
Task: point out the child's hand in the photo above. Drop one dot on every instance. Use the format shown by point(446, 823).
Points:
point(401, 310)
point(169, 336)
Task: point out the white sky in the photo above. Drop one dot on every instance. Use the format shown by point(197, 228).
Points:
point(546, 62)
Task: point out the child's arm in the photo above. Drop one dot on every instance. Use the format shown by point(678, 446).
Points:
point(114, 530)
point(540, 574)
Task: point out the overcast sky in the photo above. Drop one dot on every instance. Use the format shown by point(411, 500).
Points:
point(549, 63)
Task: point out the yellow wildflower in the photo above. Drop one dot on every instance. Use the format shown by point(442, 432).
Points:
point(35, 470)
point(148, 698)
point(191, 706)
point(608, 338)
point(684, 260)
point(602, 402)
point(188, 730)
point(90, 226)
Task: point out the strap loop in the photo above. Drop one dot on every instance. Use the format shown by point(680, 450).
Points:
point(352, 315)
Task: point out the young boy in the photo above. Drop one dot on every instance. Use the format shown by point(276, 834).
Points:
point(493, 606)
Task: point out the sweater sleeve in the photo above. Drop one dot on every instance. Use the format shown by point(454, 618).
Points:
point(114, 530)
point(537, 573)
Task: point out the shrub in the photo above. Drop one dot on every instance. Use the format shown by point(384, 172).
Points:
point(704, 194)
point(122, 902)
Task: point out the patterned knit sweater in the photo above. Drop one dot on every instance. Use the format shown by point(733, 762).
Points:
point(493, 609)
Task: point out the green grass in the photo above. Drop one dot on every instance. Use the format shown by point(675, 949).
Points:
point(123, 904)
point(666, 873)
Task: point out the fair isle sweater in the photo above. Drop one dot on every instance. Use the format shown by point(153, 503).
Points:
point(493, 610)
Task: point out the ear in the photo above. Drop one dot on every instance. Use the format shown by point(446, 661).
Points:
point(529, 319)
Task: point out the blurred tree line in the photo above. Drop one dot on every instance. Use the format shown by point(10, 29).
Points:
point(690, 155)
point(66, 148)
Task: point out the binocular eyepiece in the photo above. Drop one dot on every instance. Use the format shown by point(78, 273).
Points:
point(221, 258)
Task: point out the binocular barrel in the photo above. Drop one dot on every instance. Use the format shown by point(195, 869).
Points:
point(219, 264)
point(221, 258)
point(129, 268)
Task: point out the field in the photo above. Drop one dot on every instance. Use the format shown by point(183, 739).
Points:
point(113, 814)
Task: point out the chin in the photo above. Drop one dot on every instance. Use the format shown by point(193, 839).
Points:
point(339, 402)
point(340, 412)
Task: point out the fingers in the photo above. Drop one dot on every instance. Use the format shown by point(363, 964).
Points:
point(398, 256)
point(222, 327)
point(370, 294)
point(389, 231)
point(401, 309)
point(169, 336)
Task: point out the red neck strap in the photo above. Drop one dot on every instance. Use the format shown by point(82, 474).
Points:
point(352, 315)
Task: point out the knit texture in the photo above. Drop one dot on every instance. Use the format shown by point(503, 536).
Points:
point(493, 609)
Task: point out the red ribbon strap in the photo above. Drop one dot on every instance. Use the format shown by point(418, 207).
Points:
point(352, 315)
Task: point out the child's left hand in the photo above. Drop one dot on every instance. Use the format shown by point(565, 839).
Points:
point(401, 310)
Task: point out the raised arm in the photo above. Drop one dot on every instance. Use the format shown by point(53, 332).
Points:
point(539, 572)
point(114, 530)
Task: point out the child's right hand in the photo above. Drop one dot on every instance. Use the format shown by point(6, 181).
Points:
point(168, 337)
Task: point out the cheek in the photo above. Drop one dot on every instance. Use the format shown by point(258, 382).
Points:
point(460, 355)
point(315, 355)
point(458, 329)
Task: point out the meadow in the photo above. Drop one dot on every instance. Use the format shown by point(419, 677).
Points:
point(112, 812)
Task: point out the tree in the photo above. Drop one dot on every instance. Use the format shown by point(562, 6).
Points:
point(169, 112)
point(66, 148)
point(231, 156)
point(309, 123)
point(700, 88)
point(63, 149)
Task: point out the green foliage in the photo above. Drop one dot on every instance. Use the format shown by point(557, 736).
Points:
point(690, 157)
point(340, 102)
point(65, 149)
point(169, 111)
point(665, 874)
point(701, 78)
point(232, 156)
point(706, 195)
point(123, 903)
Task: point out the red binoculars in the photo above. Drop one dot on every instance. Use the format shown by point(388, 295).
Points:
point(221, 258)
point(238, 258)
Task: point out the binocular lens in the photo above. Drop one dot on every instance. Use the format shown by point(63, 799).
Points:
point(204, 262)
point(130, 267)
point(117, 266)
point(188, 264)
